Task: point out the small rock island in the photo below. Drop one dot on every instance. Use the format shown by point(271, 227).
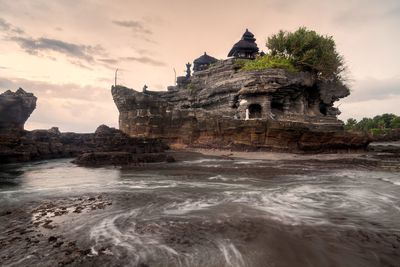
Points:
point(221, 105)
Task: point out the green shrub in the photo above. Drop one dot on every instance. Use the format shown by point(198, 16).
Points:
point(350, 124)
point(395, 123)
point(308, 51)
point(269, 62)
point(376, 131)
point(239, 63)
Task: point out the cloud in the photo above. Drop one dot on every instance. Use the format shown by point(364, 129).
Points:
point(374, 89)
point(40, 45)
point(108, 60)
point(140, 59)
point(358, 12)
point(77, 53)
point(370, 108)
point(4, 25)
point(68, 90)
point(145, 60)
point(371, 97)
point(8, 27)
point(136, 26)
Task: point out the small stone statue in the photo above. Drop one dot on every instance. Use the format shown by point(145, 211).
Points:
point(145, 88)
point(188, 71)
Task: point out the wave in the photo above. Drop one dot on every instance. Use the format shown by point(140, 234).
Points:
point(138, 238)
point(392, 180)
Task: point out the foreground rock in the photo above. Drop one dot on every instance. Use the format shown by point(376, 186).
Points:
point(224, 107)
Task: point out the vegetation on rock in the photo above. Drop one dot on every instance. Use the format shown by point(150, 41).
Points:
point(308, 51)
point(302, 50)
point(269, 62)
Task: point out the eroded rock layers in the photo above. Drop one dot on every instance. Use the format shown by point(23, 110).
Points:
point(224, 107)
point(18, 145)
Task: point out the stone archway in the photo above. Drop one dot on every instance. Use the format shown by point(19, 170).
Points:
point(255, 111)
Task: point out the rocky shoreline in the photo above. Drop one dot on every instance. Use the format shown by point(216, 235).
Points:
point(50, 144)
point(109, 146)
point(19, 145)
point(58, 230)
point(42, 230)
point(43, 235)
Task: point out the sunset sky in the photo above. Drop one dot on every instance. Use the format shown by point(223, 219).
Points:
point(66, 51)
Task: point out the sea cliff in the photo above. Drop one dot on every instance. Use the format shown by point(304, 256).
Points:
point(224, 107)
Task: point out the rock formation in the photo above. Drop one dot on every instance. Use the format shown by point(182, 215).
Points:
point(48, 144)
point(15, 109)
point(18, 145)
point(222, 106)
point(109, 146)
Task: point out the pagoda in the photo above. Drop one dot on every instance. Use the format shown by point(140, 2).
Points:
point(203, 62)
point(245, 48)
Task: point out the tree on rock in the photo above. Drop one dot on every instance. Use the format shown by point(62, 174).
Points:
point(308, 51)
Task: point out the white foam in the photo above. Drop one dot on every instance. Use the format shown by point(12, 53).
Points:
point(200, 161)
point(245, 162)
point(231, 254)
point(230, 179)
point(138, 245)
point(219, 177)
point(190, 205)
point(391, 180)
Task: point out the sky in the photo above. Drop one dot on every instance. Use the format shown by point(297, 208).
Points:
point(66, 51)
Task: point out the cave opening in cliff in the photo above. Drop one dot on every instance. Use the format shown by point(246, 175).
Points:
point(322, 109)
point(277, 106)
point(255, 111)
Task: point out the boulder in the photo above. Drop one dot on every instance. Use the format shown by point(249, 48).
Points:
point(15, 109)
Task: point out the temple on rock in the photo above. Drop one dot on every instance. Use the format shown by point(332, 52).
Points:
point(203, 62)
point(245, 48)
point(220, 104)
point(264, 99)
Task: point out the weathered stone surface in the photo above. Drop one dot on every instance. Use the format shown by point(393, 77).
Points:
point(15, 109)
point(18, 145)
point(47, 144)
point(223, 107)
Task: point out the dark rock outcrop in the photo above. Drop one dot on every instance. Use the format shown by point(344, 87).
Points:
point(15, 109)
point(18, 145)
point(48, 144)
point(223, 107)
